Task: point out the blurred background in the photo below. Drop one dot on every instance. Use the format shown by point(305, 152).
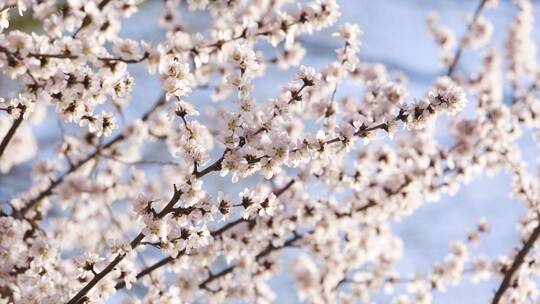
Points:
point(395, 35)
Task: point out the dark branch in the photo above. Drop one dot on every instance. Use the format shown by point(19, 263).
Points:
point(56, 182)
point(134, 243)
point(214, 233)
point(461, 45)
point(9, 135)
point(518, 261)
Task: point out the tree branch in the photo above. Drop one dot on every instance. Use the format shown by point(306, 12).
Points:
point(269, 249)
point(56, 182)
point(77, 298)
point(518, 261)
point(9, 135)
point(214, 233)
point(457, 56)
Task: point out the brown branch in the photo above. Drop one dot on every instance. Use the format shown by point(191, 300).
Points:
point(88, 19)
point(106, 59)
point(279, 192)
point(216, 166)
point(269, 249)
point(459, 52)
point(135, 243)
point(11, 132)
point(296, 236)
point(147, 271)
point(56, 182)
point(77, 298)
point(82, 293)
point(169, 259)
point(518, 261)
point(214, 233)
point(40, 56)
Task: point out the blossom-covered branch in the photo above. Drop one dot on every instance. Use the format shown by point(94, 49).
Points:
point(324, 168)
point(518, 260)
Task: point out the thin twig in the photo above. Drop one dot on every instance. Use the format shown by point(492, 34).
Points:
point(269, 249)
point(215, 233)
point(56, 182)
point(11, 132)
point(459, 52)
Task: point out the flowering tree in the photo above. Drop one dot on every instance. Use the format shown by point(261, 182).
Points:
point(323, 174)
